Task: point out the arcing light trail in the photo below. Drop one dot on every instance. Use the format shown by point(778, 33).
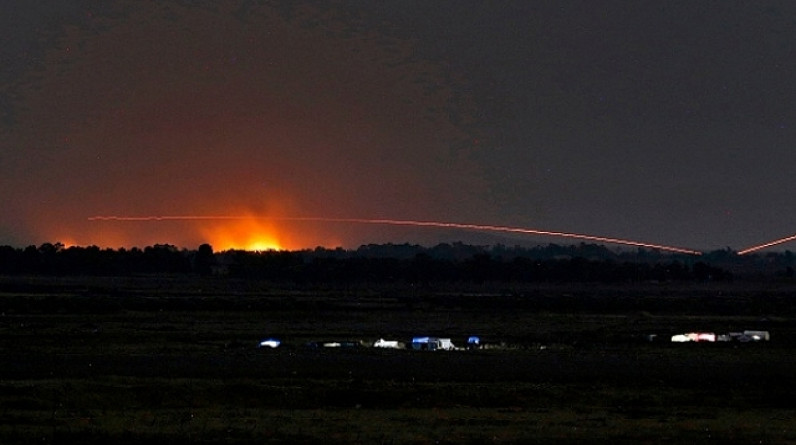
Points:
point(768, 244)
point(402, 222)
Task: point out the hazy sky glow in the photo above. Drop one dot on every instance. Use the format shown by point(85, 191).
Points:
point(667, 122)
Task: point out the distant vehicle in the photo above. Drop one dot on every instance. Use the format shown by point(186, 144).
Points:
point(680, 338)
point(432, 344)
point(706, 336)
point(387, 344)
point(747, 336)
point(269, 343)
point(695, 337)
point(757, 335)
point(348, 344)
point(743, 337)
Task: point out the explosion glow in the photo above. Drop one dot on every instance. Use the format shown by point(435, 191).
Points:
point(768, 244)
point(401, 222)
point(247, 233)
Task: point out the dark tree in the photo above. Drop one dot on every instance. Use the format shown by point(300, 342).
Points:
point(204, 260)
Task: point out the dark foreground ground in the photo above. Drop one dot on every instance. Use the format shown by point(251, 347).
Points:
point(159, 360)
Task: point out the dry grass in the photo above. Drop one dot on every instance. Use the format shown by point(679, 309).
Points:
point(174, 365)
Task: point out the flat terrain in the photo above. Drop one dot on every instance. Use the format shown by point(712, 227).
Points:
point(174, 360)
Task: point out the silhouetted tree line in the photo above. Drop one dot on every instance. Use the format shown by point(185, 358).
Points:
point(55, 259)
point(480, 268)
point(384, 263)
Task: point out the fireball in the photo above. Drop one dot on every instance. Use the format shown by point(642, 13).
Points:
point(243, 234)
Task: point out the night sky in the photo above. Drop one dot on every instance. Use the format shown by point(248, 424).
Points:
point(668, 122)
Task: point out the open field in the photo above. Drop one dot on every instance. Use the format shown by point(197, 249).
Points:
point(167, 360)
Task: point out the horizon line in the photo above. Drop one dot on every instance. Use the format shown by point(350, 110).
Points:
point(442, 224)
point(405, 222)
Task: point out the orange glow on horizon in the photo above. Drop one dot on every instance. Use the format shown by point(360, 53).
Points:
point(252, 224)
point(245, 234)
